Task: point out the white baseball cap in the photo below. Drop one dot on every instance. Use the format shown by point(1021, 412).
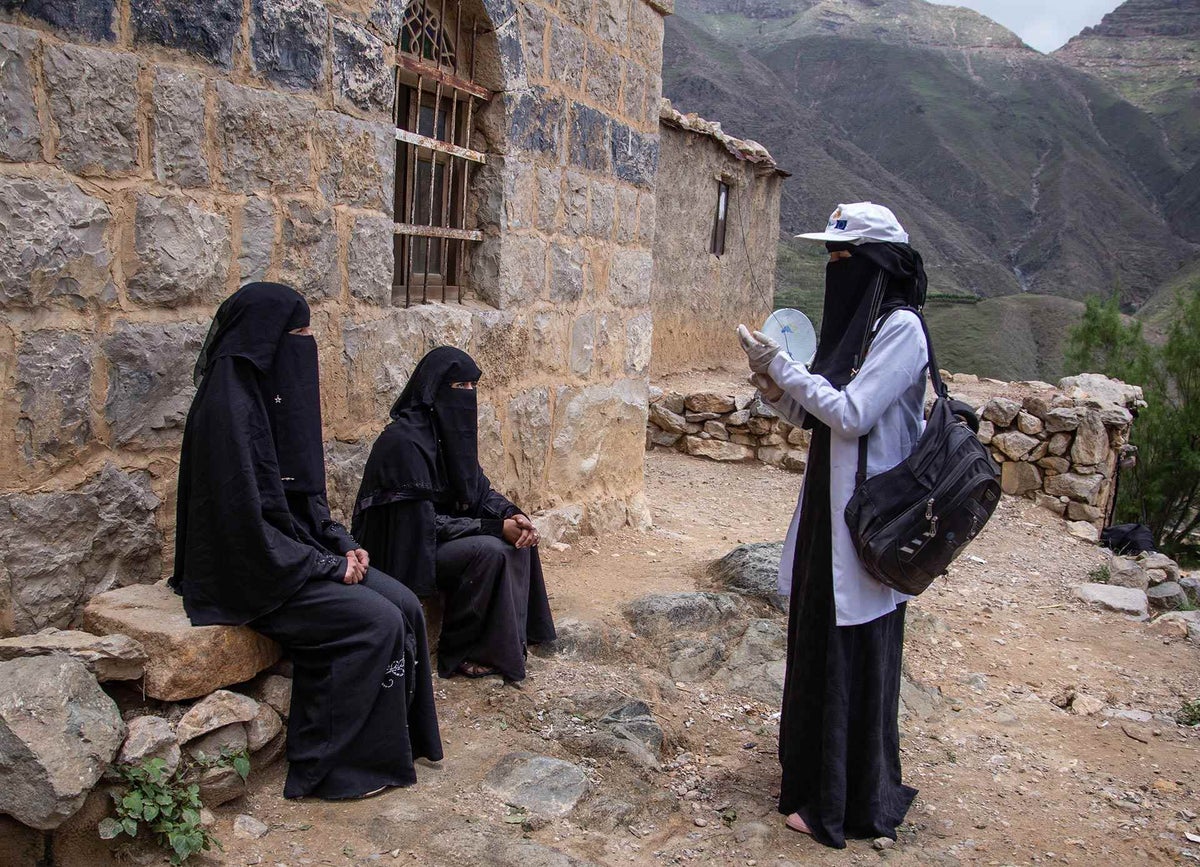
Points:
point(861, 221)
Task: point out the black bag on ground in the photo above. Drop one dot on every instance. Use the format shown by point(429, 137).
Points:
point(1127, 538)
point(909, 523)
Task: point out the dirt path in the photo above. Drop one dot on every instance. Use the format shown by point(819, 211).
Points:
point(1006, 776)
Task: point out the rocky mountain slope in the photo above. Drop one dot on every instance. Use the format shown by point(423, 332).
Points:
point(1149, 52)
point(1014, 172)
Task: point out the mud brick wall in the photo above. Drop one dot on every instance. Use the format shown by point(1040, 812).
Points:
point(156, 154)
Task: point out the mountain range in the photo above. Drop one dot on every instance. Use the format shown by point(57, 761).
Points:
point(1021, 176)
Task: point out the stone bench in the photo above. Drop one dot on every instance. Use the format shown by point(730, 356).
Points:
point(182, 661)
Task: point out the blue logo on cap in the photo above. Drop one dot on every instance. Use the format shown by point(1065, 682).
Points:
point(840, 225)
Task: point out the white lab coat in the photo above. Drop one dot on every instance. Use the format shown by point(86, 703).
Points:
point(886, 398)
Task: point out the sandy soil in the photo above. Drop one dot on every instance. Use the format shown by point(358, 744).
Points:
point(1005, 775)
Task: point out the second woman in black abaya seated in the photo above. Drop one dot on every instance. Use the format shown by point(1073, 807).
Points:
point(429, 516)
point(255, 545)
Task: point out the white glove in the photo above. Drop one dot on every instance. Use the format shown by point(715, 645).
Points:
point(760, 349)
point(766, 386)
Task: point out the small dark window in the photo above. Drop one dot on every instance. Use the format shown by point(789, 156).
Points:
point(718, 232)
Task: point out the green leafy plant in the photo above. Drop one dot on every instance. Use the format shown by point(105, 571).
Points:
point(1163, 488)
point(1100, 575)
point(167, 806)
point(1189, 713)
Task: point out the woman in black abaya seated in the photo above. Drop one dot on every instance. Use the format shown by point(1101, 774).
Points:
point(255, 545)
point(430, 517)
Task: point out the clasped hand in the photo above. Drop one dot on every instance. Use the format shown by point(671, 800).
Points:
point(520, 532)
point(357, 562)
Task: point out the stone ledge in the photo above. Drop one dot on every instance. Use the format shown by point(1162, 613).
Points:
point(183, 661)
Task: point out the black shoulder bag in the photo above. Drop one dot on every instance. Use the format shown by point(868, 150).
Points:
point(909, 523)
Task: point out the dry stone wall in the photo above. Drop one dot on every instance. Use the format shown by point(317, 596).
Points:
point(156, 155)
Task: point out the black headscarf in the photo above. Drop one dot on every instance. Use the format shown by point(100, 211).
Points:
point(430, 450)
point(850, 286)
point(252, 447)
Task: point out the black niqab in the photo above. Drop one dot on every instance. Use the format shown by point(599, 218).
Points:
point(849, 297)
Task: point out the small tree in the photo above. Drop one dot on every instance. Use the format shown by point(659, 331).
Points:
point(1163, 490)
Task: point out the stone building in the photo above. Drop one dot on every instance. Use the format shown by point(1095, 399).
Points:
point(495, 158)
point(714, 245)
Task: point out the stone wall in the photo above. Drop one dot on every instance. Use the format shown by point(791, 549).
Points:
point(725, 427)
point(700, 297)
point(156, 155)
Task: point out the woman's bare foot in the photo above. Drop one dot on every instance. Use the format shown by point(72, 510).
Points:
point(797, 824)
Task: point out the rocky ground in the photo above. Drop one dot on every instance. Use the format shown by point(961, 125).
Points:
point(1037, 729)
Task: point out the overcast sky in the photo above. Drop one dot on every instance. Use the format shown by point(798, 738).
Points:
point(1044, 24)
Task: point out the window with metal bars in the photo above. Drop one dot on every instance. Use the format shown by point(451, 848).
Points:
point(717, 245)
point(434, 115)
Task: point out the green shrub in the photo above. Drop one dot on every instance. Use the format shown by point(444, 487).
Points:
point(1189, 713)
point(1100, 575)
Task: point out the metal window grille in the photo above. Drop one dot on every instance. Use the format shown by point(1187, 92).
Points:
point(434, 116)
point(717, 246)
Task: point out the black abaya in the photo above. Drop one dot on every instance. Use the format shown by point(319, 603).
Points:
point(255, 544)
point(839, 739)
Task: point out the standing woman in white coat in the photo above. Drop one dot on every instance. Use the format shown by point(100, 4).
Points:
point(839, 742)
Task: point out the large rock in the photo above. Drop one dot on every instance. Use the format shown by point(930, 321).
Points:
point(1124, 600)
point(1083, 530)
point(692, 658)
point(544, 786)
point(222, 708)
point(1078, 487)
point(150, 737)
point(1169, 596)
point(93, 98)
point(1100, 388)
point(1091, 441)
point(59, 548)
point(660, 614)
point(598, 439)
point(1126, 572)
point(150, 385)
point(752, 570)
point(1001, 411)
point(1014, 444)
point(58, 732)
point(56, 246)
point(261, 730)
point(717, 450)
point(1019, 478)
point(185, 661)
point(20, 129)
point(757, 664)
point(108, 657)
point(633, 721)
point(180, 252)
point(275, 691)
point(54, 381)
point(594, 641)
point(709, 401)
point(670, 421)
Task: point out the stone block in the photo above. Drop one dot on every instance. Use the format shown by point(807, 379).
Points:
point(1063, 419)
point(1123, 600)
point(548, 194)
point(756, 665)
point(566, 273)
point(667, 420)
point(604, 516)
point(59, 732)
point(150, 384)
point(207, 30)
point(54, 382)
point(639, 333)
point(1126, 572)
point(717, 450)
point(716, 430)
point(752, 570)
point(362, 77)
point(626, 215)
point(563, 524)
point(647, 208)
point(600, 214)
point(262, 139)
point(258, 239)
point(567, 51)
point(1053, 504)
point(709, 401)
point(380, 354)
point(583, 344)
point(356, 160)
point(20, 129)
point(275, 692)
point(1168, 596)
point(1055, 465)
point(1083, 531)
point(287, 41)
point(1091, 440)
point(535, 120)
point(108, 657)
point(309, 243)
point(370, 259)
point(589, 138)
point(659, 437)
point(987, 430)
point(598, 438)
point(184, 661)
point(1028, 423)
point(92, 95)
point(633, 91)
point(631, 278)
point(179, 133)
point(216, 711)
point(180, 252)
point(1077, 487)
point(634, 155)
point(1014, 444)
point(93, 19)
point(603, 75)
point(1097, 387)
point(150, 737)
point(522, 272)
point(1059, 443)
point(263, 728)
point(1083, 512)
point(1001, 411)
point(1019, 478)
point(59, 548)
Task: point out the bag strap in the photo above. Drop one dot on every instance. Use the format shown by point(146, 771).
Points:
point(935, 375)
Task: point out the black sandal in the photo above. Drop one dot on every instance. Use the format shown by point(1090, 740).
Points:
point(480, 670)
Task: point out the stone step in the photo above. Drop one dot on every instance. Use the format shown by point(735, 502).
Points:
point(182, 661)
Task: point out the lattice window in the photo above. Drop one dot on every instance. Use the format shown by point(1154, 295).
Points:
point(434, 117)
